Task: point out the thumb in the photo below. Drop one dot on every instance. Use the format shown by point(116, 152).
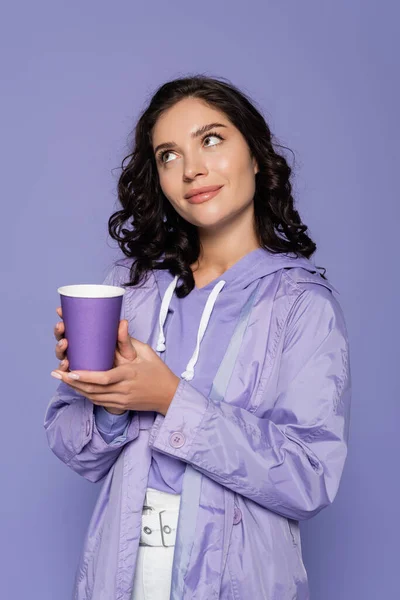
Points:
point(125, 346)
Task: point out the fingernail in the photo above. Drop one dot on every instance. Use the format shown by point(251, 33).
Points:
point(56, 375)
point(60, 343)
point(73, 375)
point(62, 362)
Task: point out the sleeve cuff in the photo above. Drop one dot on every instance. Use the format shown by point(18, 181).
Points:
point(108, 423)
point(175, 432)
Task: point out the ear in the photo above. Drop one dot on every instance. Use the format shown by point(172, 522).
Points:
point(255, 166)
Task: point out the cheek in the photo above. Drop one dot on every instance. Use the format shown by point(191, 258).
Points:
point(223, 165)
point(232, 164)
point(239, 176)
point(168, 184)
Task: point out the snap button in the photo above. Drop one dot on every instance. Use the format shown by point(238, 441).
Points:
point(237, 515)
point(147, 529)
point(177, 439)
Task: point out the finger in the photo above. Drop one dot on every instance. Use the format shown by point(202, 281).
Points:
point(59, 311)
point(118, 358)
point(125, 346)
point(64, 365)
point(123, 331)
point(113, 398)
point(61, 348)
point(91, 389)
point(59, 330)
point(99, 380)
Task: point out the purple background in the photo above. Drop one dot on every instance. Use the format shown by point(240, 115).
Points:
point(74, 77)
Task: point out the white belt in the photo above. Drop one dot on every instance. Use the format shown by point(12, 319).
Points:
point(159, 518)
point(158, 527)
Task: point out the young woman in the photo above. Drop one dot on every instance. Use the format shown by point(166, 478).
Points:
point(224, 420)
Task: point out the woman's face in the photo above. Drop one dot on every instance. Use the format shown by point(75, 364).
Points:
point(204, 160)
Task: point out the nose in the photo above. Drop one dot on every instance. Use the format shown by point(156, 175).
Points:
point(194, 166)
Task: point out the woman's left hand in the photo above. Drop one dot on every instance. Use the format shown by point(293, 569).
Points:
point(140, 380)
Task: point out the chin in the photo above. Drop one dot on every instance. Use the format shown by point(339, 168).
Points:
point(206, 216)
point(211, 223)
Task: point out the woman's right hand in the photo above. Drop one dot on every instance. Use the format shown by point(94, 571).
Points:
point(59, 331)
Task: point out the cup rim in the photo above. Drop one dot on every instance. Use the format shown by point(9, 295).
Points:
point(91, 290)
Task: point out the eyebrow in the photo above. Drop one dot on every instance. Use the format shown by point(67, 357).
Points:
point(195, 134)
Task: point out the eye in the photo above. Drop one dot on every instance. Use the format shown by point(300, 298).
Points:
point(208, 135)
point(162, 154)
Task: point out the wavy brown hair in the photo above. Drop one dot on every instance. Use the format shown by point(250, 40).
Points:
point(159, 237)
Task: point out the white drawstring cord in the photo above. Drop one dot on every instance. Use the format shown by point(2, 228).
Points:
point(205, 317)
point(188, 374)
point(163, 312)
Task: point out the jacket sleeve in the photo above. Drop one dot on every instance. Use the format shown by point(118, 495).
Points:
point(290, 458)
point(72, 432)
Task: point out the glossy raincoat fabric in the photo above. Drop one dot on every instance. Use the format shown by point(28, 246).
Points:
point(265, 449)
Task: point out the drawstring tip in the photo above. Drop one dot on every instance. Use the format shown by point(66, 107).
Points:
point(160, 347)
point(188, 375)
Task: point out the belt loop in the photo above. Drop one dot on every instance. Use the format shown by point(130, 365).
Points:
point(161, 528)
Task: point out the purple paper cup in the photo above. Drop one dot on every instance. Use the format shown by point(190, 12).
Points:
point(91, 315)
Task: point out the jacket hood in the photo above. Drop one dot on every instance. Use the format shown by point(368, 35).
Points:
point(256, 264)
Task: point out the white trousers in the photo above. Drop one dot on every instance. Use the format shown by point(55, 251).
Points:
point(152, 579)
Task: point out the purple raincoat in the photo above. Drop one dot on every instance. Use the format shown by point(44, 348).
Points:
point(263, 450)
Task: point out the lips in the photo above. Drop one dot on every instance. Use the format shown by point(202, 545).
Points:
point(203, 194)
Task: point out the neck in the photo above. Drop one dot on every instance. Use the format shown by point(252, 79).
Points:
point(220, 249)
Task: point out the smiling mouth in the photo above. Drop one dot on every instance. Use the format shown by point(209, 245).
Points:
point(200, 198)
